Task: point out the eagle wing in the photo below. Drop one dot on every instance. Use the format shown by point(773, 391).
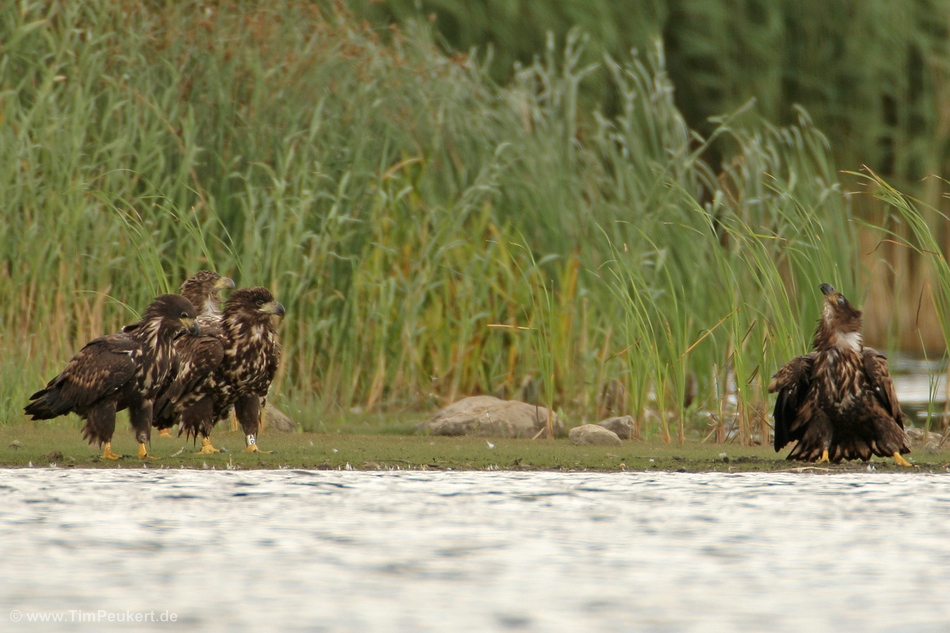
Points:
point(198, 357)
point(879, 379)
point(99, 370)
point(792, 382)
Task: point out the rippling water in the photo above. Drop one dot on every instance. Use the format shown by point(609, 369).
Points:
point(473, 551)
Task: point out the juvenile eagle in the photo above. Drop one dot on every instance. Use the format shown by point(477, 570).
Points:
point(202, 290)
point(197, 355)
point(249, 359)
point(119, 371)
point(838, 401)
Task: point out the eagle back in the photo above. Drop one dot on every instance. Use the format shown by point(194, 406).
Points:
point(105, 368)
point(251, 357)
point(198, 356)
point(155, 360)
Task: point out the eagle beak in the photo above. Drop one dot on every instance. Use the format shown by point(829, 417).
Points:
point(275, 308)
point(827, 290)
point(224, 283)
point(191, 325)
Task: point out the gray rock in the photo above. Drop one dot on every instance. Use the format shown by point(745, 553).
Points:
point(624, 426)
point(276, 420)
point(488, 416)
point(593, 435)
point(919, 438)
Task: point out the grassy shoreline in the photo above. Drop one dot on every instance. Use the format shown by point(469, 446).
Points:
point(431, 233)
point(483, 237)
point(34, 445)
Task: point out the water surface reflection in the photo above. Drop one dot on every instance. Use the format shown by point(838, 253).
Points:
point(474, 551)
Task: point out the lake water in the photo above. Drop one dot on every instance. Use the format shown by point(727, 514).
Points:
point(237, 551)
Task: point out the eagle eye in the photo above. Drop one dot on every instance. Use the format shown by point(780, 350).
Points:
point(259, 302)
point(184, 315)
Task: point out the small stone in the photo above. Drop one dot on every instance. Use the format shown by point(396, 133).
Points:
point(921, 439)
point(624, 426)
point(276, 420)
point(593, 435)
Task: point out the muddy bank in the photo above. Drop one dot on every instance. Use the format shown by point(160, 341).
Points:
point(42, 445)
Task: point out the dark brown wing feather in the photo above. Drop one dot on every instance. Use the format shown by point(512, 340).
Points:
point(879, 379)
point(98, 371)
point(198, 357)
point(792, 382)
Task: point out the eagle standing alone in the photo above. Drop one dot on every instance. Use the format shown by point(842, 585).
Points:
point(248, 362)
point(197, 355)
point(838, 401)
point(119, 371)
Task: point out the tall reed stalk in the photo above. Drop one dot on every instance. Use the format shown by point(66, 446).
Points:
point(399, 204)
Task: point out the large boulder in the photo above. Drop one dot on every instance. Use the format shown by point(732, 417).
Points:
point(593, 435)
point(488, 416)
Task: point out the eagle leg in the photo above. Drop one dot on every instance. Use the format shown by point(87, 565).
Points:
point(140, 415)
point(99, 427)
point(164, 432)
point(107, 452)
point(207, 448)
point(143, 452)
point(198, 419)
point(824, 457)
point(248, 411)
point(252, 447)
point(900, 461)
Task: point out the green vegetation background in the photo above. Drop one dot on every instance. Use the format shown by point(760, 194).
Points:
point(872, 74)
point(573, 227)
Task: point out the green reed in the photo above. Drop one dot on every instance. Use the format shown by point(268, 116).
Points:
point(918, 225)
point(872, 74)
point(432, 234)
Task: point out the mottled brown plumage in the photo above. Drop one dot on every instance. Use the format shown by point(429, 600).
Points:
point(197, 355)
point(838, 401)
point(119, 371)
point(203, 289)
point(250, 355)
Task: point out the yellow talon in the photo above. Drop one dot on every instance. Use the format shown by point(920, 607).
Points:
point(143, 452)
point(164, 433)
point(107, 452)
point(207, 448)
point(900, 461)
point(251, 441)
point(824, 457)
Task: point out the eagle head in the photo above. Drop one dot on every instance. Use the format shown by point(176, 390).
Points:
point(174, 312)
point(257, 303)
point(202, 290)
point(840, 324)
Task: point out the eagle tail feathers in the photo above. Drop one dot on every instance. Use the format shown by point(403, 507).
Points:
point(47, 404)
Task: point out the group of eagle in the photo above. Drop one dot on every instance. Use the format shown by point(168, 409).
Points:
point(185, 361)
